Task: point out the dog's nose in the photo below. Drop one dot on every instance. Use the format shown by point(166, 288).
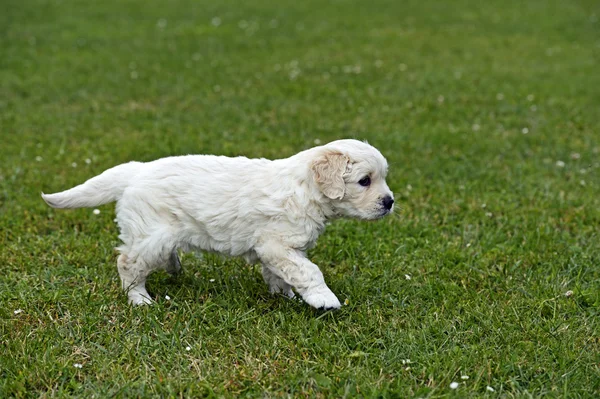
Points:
point(388, 201)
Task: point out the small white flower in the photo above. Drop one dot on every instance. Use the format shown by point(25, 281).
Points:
point(134, 75)
point(440, 99)
point(317, 141)
point(39, 159)
point(346, 302)
point(168, 298)
point(378, 64)
point(161, 23)
point(575, 155)
point(525, 130)
point(405, 361)
point(468, 244)
point(294, 74)
point(582, 182)
point(464, 377)
point(560, 164)
point(530, 97)
point(489, 214)
point(78, 365)
point(402, 67)
point(88, 161)
point(216, 21)
point(533, 108)
point(476, 127)
point(74, 164)
point(499, 96)
point(188, 348)
point(96, 211)
point(212, 280)
point(407, 276)
point(453, 385)
point(490, 389)
point(18, 311)
point(569, 293)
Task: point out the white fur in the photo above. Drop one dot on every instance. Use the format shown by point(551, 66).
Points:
point(263, 210)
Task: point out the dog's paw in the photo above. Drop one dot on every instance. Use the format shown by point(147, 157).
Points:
point(283, 291)
point(321, 298)
point(286, 290)
point(139, 300)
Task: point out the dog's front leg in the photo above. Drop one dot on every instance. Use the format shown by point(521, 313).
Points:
point(295, 269)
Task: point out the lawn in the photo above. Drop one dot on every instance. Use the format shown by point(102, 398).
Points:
point(488, 276)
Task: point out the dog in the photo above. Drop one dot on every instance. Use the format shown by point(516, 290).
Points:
point(270, 211)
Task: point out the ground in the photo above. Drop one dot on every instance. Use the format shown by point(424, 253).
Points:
point(489, 115)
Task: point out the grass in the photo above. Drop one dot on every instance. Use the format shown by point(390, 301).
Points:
point(488, 112)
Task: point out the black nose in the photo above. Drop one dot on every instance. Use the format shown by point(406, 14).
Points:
point(388, 202)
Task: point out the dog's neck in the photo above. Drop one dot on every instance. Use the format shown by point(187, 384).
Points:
point(314, 204)
point(322, 208)
point(320, 201)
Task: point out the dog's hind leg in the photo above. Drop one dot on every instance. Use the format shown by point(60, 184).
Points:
point(148, 244)
point(276, 284)
point(133, 275)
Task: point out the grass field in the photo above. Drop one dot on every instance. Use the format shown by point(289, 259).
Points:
point(488, 113)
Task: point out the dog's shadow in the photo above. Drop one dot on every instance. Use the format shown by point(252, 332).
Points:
point(230, 283)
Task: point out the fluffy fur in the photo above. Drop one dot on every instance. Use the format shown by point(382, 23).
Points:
point(263, 210)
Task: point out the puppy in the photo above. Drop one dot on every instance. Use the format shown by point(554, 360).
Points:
point(263, 210)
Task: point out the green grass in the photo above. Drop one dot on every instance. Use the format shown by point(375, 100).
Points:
point(496, 225)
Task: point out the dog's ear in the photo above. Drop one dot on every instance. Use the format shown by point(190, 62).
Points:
point(328, 171)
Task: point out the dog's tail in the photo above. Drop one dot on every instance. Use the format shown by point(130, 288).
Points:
point(102, 189)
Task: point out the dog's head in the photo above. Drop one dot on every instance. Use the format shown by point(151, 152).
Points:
point(352, 174)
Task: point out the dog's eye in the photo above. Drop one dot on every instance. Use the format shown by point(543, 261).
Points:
point(365, 181)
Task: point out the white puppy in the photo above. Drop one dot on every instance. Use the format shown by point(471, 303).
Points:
point(270, 211)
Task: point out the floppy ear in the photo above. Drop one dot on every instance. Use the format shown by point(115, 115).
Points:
point(328, 170)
